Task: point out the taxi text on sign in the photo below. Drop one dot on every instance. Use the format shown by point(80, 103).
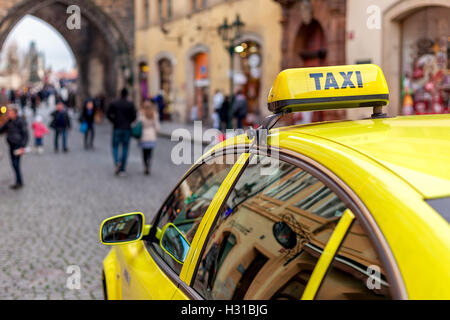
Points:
point(322, 88)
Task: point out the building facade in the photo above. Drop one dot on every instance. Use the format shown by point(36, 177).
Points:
point(410, 41)
point(313, 36)
point(180, 54)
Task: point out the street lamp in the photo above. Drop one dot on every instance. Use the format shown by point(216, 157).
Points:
point(230, 33)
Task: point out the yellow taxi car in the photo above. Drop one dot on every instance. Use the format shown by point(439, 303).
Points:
point(336, 210)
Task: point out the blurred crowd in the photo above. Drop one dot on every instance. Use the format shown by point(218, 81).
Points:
point(59, 105)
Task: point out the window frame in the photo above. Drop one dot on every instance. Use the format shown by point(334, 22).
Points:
point(212, 155)
point(159, 261)
point(346, 194)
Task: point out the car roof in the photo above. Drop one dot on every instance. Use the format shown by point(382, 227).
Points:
point(416, 148)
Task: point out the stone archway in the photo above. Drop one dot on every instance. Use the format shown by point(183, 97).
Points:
point(103, 46)
point(392, 47)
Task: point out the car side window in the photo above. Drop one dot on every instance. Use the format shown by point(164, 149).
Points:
point(188, 203)
point(269, 234)
point(356, 272)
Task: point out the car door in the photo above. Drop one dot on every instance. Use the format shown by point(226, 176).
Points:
point(276, 234)
point(148, 271)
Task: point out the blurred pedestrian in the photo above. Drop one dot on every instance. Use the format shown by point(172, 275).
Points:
point(121, 113)
point(225, 114)
point(17, 138)
point(23, 101)
point(61, 124)
point(240, 108)
point(150, 127)
point(71, 100)
point(217, 104)
point(41, 95)
point(87, 120)
point(64, 94)
point(99, 103)
point(33, 103)
point(39, 131)
point(12, 96)
point(159, 100)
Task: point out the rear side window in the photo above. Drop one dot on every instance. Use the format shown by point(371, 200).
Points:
point(356, 272)
point(442, 206)
point(188, 203)
point(269, 235)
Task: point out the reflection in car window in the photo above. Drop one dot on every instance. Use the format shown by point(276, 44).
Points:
point(122, 229)
point(269, 235)
point(356, 272)
point(188, 203)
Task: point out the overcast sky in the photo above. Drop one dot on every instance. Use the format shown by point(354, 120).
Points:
point(57, 52)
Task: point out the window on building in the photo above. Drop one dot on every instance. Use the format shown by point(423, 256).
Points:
point(146, 13)
point(161, 9)
point(267, 239)
point(188, 203)
point(143, 14)
point(198, 4)
point(169, 9)
point(165, 9)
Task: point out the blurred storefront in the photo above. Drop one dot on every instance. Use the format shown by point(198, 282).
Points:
point(186, 33)
point(409, 39)
point(165, 69)
point(248, 73)
point(425, 63)
point(201, 86)
point(143, 81)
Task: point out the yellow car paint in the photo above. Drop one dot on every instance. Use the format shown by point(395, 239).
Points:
point(389, 166)
point(416, 148)
point(327, 255)
point(418, 237)
point(111, 271)
point(141, 277)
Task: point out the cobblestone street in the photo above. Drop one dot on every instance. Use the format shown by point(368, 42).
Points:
point(53, 221)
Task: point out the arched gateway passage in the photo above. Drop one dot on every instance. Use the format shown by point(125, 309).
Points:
point(103, 46)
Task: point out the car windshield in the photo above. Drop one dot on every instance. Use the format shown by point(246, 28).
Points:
point(442, 206)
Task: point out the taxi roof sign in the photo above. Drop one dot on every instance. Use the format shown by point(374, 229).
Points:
point(324, 88)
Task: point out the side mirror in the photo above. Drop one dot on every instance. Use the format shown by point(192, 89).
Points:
point(122, 229)
point(174, 243)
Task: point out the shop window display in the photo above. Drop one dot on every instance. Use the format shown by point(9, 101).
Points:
point(426, 62)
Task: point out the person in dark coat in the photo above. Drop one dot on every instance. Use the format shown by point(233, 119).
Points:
point(121, 113)
point(33, 103)
point(240, 109)
point(87, 116)
point(17, 138)
point(224, 113)
point(61, 124)
point(159, 100)
point(23, 101)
